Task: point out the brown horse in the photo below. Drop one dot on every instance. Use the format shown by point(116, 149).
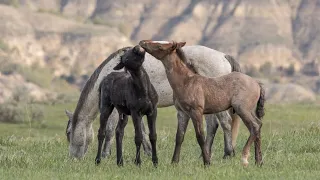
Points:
point(196, 95)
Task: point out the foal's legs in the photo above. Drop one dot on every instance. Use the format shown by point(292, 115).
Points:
point(212, 127)
point(111, 125)
point(196, 117)
point(225, 121)
point(105, 113)
point(253, 124)
point(153, 135)
point(183, 120)
point(257, 145)
point(138, 135)
point(123, 120)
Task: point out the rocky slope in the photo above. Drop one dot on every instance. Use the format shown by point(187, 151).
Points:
point(74, 36)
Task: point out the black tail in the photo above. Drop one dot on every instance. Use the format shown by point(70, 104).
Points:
point(234, 64)
point(260, 103)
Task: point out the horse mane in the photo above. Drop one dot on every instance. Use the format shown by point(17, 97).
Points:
point(90, 84)
point(184, 59)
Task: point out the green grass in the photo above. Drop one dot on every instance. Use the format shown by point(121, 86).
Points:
point(290, 144)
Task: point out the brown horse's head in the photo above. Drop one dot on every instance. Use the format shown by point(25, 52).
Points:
point(160, 49)
point(68, 129)
point(131, 59)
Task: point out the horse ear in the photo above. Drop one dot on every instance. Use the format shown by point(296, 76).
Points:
point(180, 44)
point(118, 66)
point(68, 113)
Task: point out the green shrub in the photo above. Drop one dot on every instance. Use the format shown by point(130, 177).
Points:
point(14, 3)
point(266, 68)
point(13, 112)
point(37, 75)
point(8, 68)
point(253, 71)
point(34, 74)
point(4, 46)
point(100, 21)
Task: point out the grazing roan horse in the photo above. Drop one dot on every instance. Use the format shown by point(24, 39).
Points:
point(205, 61)
point(196, 95)
point(131, 93)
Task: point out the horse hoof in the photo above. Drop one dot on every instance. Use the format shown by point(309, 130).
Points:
point(120, 164)
point(245, 163)
point(155, 163)
point(226, 156)
point(175, 162)
point(259, 164)
point(98, 161)
point(137, 163)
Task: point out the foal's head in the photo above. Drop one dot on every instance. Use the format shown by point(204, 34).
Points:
point(132, 59)
point(160, 49)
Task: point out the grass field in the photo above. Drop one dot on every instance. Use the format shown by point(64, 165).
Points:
point(290, 144)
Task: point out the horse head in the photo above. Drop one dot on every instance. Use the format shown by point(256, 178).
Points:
point(131, 59)
point(160, 49)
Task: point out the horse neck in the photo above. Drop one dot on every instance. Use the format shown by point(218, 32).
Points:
point(177, 72)
point(140, 81)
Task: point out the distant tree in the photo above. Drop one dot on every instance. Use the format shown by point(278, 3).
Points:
point(266, 68)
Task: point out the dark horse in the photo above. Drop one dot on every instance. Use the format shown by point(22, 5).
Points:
point(196, 95)
point(131, 93)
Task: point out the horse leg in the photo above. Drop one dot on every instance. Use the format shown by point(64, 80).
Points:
point(253, 128)
point(153, 135)
point(123, 120)
point(183, 120)
point(196, 117)
point(257, 143)
point(145, 143)
point(234, 127)
point(212, 127)
point(225, 121)
point(111, 126)
point(138, 135)
point(104, 115)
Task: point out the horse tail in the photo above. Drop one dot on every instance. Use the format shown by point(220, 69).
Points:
point(235, 66)
point(260, 103)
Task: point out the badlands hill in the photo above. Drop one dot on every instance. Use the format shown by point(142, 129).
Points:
point(67, 39)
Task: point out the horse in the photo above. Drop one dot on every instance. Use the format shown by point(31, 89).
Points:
point(206, 61)
point(196, 95)
point(131, 93)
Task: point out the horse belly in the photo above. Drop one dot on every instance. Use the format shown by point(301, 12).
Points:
point(215, 108)
point(217, 104)
point(123, 110)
